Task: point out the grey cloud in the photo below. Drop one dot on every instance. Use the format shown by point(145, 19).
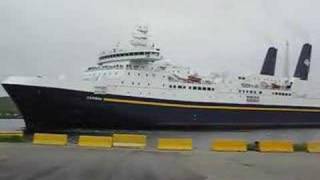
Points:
point(64, 37)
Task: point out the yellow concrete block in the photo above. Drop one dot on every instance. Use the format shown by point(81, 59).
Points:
point(313, 146)
point(95, 141)
point(11, 133)
point(50, 139)
point(275, 146)
point(129, 140)
point(229, 145)
point(175, 144)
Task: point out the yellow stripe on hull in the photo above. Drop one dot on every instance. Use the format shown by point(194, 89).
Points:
point(114, 100)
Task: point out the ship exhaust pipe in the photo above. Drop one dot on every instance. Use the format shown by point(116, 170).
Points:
point(303, 65)
point(269, 64)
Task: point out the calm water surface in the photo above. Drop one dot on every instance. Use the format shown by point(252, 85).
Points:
point(11, 124)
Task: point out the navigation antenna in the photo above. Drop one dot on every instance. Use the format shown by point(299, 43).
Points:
point(286, 65)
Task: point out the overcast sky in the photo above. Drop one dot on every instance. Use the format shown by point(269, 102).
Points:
point(55, 37)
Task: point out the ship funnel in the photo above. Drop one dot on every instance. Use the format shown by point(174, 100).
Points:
point(303, 66)
point(269, 64)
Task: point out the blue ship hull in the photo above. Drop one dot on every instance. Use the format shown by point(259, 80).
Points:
point(55, 109)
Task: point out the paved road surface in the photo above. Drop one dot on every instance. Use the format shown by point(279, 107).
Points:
point(30, 162)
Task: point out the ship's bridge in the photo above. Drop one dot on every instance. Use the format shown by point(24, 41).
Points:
point(134, 56)
point(141, 50)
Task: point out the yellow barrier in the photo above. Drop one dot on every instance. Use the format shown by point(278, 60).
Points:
point(50, 139)
point(175, 144)
point(11, 133)
point(313, 146)
point(275, 146)
point(129, 140)
point(229, 145)
point(95, 141)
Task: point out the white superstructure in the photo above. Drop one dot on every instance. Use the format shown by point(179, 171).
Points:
point(141, 71)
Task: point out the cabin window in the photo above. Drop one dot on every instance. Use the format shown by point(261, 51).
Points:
point(179, 87)
point(170, 86)
point(199, 88)
point(189, 87)
point(174, 86)
point(194, 87)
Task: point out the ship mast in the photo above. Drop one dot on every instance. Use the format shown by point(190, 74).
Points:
point(286, 65)
point(140, 36)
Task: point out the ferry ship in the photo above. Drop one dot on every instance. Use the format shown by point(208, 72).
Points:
point(136, 87)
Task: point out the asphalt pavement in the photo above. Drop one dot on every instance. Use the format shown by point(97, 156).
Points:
point(31, 162)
